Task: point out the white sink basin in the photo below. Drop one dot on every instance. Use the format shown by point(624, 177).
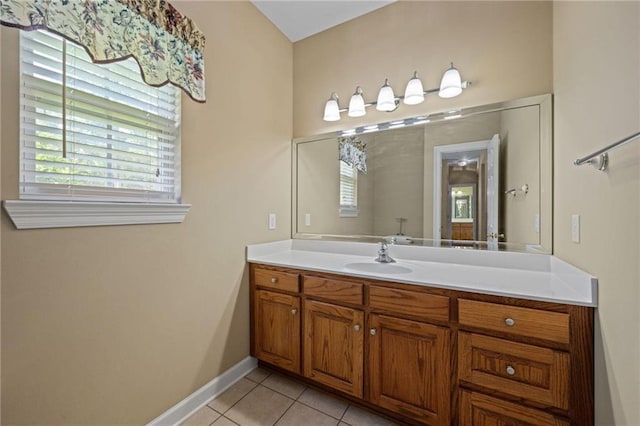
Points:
point(378, 268)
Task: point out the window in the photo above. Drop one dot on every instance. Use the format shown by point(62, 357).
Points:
point(94, 132)
point(348, 190)
point(121, 135)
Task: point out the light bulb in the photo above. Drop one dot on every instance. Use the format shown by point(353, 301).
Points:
point(356, 104)
point(332, 109)
point(414, 93)
point(386, 98)
point(451, 85)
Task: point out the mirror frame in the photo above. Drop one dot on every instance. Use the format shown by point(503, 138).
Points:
point(544, 102)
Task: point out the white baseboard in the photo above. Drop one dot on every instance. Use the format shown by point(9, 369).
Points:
point(199, 398)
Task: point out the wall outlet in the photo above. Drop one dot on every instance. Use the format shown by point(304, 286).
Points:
point(536, 223)
point(307, 219)
point(575, 228)
point(272, 221)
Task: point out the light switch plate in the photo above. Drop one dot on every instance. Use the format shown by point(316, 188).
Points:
point(575, 228)
point(272, 221)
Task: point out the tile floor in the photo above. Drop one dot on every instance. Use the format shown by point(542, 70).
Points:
point(265, 398)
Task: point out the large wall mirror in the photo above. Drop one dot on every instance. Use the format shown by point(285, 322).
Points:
point(477, 177)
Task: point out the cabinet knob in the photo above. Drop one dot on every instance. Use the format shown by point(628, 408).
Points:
point(294, 311)
point(274, 280)
point(510, 370)
point(372, 331)
point(509, 322)
point(356, 327)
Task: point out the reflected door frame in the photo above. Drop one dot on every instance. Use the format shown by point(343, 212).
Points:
point(473, 206)
point(492, 147)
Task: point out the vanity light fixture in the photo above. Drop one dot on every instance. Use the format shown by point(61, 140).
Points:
point(331, 108)
point(386, 98)
point(356, 104)
point(450, 86)
point(414, 93)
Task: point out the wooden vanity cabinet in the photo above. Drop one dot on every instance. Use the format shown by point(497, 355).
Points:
point(275, 319)
point(424, 355)
point(334, 346)
point(409, 368)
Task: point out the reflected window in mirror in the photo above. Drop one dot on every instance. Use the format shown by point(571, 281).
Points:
point(348, 190)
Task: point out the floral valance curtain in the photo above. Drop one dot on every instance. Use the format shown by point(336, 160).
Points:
point(353, 152)
point(167, 46)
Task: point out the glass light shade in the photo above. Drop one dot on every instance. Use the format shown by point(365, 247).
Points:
point(331, 109)
point(386, 98)
point(414, 93)
point(451, 85)
point(356, 104)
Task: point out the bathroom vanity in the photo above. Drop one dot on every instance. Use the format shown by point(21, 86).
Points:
point(441, 337)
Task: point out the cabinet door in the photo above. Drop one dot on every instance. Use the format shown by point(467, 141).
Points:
point(481, 410)
point(333, 346)
point(277, 329)
point(409, 368)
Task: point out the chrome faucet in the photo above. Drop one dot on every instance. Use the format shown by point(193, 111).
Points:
point(383, 254)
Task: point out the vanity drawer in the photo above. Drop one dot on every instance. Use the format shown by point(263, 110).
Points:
point(530, 372)
point(277, 280)
point(478, 409)
point(338, 291)
point(526, 322)
point(406, 302)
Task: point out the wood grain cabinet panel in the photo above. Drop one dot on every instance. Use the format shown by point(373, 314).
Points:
point(535, 373)
point(334, 346)
point(406, 302)
point(409, 368)
point(338, 291)
point(277, 329)
point(482, 410)
point(525, 322)
point(276, 280)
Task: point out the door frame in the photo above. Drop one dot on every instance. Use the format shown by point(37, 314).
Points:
point(438, 154)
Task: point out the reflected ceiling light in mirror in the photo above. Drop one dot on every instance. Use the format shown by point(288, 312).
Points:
point(356, 104)
point(331, 108)
point(452, 114)
point(450, 86)
point(414, 93)
point(386, 98)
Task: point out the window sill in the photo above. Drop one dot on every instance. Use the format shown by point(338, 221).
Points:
point(65, 214)
point(348, 212)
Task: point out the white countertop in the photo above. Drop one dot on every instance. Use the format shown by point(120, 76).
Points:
point(521, 275)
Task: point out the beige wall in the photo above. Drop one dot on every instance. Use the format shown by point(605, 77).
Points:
point(503, 47)
point(520, 164)
point(318, 193)
point(596, 85)
point(398, 169)
point(115, 325)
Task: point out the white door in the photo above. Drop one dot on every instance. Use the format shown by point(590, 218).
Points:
point(493, 170)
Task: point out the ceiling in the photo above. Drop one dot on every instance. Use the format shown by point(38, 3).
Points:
point(298, 19)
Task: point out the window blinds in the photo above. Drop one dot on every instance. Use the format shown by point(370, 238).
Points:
point(348, 189)
point(122, 137)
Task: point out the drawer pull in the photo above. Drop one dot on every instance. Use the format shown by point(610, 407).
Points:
point(274, 280)
point(356, 327)
point(510, 370)
point(372, 331)
point(294, 311)
point(509, 322)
